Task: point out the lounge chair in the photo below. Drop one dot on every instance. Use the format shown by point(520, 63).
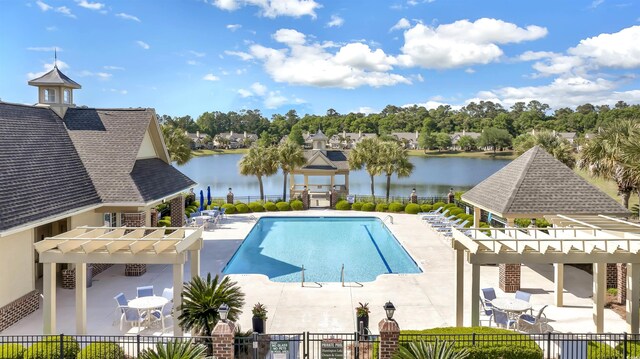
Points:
point(146, 291)
point(128, 315)
point(430, 213)
point(434, 216)
point(534, 321)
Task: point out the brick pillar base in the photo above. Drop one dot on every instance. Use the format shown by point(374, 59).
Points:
point(622, 282)
point(333, 199)
point(414, 197)
point(223, 339)
point(69, 278)
point(154, 218)
point(509, 277)
point(177, 211)
point(230, 197)
point(18, 309)
point(305, 199)
point(389, 335)
point(135, 270)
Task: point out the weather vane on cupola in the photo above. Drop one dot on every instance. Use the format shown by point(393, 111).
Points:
point(55, 57)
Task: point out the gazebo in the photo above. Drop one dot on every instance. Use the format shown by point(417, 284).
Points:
point(536, 185)
point(121, 245)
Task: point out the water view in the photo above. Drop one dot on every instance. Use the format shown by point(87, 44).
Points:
point(431, 176)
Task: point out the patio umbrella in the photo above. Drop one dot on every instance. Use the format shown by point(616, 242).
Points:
point(201, 201)
point(208, 195)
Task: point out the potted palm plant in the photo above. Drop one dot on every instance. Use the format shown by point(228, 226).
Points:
point(259, 318)
point(362, 315)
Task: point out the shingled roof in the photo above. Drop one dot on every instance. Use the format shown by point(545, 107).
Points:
point(41, 173)
point(55, 77)
point(538, 184)
point(108, 141)
point(338, 160)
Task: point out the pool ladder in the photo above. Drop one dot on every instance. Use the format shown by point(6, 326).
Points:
point(389, 217)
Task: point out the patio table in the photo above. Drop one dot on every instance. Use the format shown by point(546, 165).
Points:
point(511, 305)
point(148, 304)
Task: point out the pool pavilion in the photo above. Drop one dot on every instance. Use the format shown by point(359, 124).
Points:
point(585, 230)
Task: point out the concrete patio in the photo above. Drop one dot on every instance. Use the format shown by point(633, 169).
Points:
point(422, 300)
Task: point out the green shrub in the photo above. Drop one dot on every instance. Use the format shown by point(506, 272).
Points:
point(343, 205)
point(412, 208)
point(49, 348)
point(438, 205)
point(368, 207)
point(515, 347)
point(270, 206)
point(195, 204)
point(357, 206)
point(612, 291)
point(456, 211)
point(11, 351)
point(229, 208)
point(449, 206)
point(256, 207)
point(164, 223)
point(382, 207)
point(426, 207)
point(242, 208)
point(104, 350)
point(396, 207)
point(283, 206)
point(193, 208)
point(597, 350)
point(633, 349)
point(297, 205)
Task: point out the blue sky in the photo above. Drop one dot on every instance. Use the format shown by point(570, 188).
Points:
point(191, 56)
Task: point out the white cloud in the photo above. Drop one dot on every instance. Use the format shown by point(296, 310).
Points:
point(51, 28)
point(65, 11)
point(596, 3)
point(143, 45)
point(192, 62)
point(245, 93)
point(241, 71)
point(43, 6)
point(210, 77)
point(108, 67)
point(46, 68)
point(90, 5)
point(242, 55)
point(303, 63)
point(535, 55)
point(121, 92)
point(462, 43)
point(558, 65)
point(259, 89)
point(274, 100)
point(617, 50)
point(197, 54)
point(469, 70)
point(98, 75)
point(233, 27)
point(401, 25)
point(366, 110)
point(273, 8)
point(128, 17)
point(336, 21)
point(45, 49)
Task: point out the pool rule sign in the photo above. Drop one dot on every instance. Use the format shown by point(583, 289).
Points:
point(332, 349)
point(279, 349)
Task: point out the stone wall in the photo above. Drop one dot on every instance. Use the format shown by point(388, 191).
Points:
point(18, 309)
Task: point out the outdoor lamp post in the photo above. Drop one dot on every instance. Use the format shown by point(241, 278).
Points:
point(229, 189)
point(389, 309)
point(224, 312)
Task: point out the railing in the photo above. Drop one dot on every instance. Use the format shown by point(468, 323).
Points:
point(302, 274)
point(389, 217)
point(342, 274)
point(401, 199)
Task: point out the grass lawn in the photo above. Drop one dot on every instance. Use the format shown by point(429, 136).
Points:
point(205, 152)
point(607, 186)
point(508, 155)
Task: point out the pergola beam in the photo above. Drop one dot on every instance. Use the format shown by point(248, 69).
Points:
point(113, 258)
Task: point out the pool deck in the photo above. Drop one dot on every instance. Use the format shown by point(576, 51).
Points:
point(422, 300)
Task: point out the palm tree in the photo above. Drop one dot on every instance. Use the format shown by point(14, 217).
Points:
point(259, 161)
point(367, 154)
point(558, 147)
point(178, 144)
point(394, 158)
point(290, 157)
point(201, 299)
point(175, 349)
point(436, 350)
point(631, 159)
point(604, 156)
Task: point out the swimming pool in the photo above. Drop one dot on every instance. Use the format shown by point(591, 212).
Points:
point(278, 247)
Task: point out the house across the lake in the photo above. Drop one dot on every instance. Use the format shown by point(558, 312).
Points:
point(409, 140)
point(62, 167)
point(232, 140)
point(346, 140)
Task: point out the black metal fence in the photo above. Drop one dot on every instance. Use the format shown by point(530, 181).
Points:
point(400, 199)
point(330, 345)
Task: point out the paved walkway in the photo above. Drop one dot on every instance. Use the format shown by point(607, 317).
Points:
point(422, 300)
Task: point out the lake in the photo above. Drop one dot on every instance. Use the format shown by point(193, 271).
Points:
point(432, 176)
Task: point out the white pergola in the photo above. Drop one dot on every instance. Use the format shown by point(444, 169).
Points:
point(122, 245)
point(577, 239)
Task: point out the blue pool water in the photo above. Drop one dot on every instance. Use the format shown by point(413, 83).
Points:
point(278, 247)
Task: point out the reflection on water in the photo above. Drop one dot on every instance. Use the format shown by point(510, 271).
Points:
point(431, 176)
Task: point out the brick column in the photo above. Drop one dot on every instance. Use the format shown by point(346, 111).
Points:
point(305, 198)
point(177, 211)
point(134, 220)
point(389, 335)
point(509, 277)
point(69, 278)
point(612, 275)
point(154, 218)
point(622, 282)
point(333, 199)
point(414, 196)
point(230, 196)
point(223, 338)
point(18, 309)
